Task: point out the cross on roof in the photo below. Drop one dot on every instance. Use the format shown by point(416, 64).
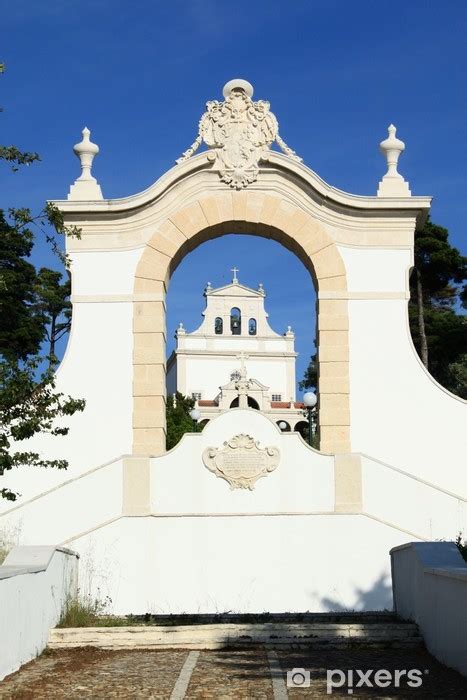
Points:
point(235, 270)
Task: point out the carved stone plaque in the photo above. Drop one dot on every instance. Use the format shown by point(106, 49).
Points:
point(241, 461)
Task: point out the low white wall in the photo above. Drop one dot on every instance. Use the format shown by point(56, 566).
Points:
point(34, 585)
point(430, 587)
point(245, 563)
point(165, 534)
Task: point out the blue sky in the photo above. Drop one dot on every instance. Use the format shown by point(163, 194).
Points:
point(138, 73)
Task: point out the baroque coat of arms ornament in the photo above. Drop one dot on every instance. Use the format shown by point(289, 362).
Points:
point(241, 461)
point(239, 133)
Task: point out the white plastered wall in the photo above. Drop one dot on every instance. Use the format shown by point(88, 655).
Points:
point(97, 366)
point(208, 377)
point(399, 414)
point(144, 527)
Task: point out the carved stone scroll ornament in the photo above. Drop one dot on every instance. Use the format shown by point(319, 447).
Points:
point(241, 461)
point(239, 133)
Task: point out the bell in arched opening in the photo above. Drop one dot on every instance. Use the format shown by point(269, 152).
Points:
point(236, 321)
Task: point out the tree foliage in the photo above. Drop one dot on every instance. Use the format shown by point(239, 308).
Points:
point(179, 420)
point(29, 405)
point(53, 301)
point(21, 323)
point(310, 377)
point(437, 293)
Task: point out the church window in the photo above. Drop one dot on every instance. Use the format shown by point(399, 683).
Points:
point(235, 321)
point(276, 397)
point(218, 326)
point(252, 326)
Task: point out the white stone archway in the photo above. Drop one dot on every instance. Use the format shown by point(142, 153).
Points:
point(359, 250)
point(356, 249)
point(395, 436)
point(273, 215)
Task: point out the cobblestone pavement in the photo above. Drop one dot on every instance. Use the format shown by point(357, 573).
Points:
point(221, 675)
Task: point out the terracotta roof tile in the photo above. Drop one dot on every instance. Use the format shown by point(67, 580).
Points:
point(285, 404)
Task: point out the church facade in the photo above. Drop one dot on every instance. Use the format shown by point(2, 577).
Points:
point(236, 360)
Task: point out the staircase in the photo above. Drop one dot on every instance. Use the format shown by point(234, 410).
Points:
point(320, 630)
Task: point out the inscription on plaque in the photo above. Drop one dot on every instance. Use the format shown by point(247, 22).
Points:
point(241, 461)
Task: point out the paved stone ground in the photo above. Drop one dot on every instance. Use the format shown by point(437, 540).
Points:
point(220, 675)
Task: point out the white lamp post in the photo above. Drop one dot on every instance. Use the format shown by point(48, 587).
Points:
point(195, 416)
point(310, 400)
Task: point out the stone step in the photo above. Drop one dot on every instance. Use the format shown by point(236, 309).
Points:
point(218, 636)
point(247, 618)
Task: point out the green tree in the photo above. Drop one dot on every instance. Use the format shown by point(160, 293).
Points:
point(53, 301)
point(437, 292)
point(310, 377)
point(22, 327)
point(29, 405)
point(179, 420)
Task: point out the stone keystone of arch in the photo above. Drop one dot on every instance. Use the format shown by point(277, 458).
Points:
point(239, 133)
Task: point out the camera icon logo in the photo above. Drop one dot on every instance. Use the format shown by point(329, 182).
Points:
point(298, 678)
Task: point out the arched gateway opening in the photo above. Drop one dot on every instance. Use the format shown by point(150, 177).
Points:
point(272, 214)
point(274, 300)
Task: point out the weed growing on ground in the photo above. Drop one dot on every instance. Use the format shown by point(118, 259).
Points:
point(9, 537)
point(82, 611)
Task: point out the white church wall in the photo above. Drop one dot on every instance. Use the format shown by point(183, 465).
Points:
point(195, 343)
point(236, 343)
point(275, 346)
point(202, 374)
